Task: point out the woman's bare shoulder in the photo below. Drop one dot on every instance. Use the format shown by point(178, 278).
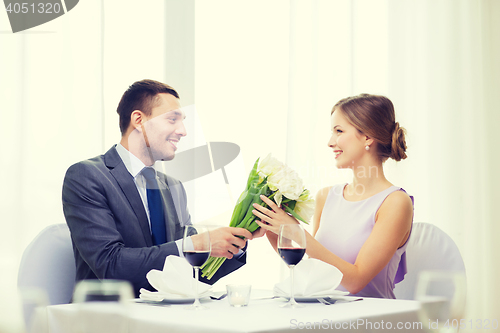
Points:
point(399, 199)
point(397, 205)
point(322, 194)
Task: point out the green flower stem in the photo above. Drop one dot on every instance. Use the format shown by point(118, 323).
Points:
point(245, 197)
point(211, 266)
point(237, 209)
point(252, 226)
point(207, 263)
point(217, 266)
point(252, 193)
point(294, 214)
point(253, 177)
point(256, 199)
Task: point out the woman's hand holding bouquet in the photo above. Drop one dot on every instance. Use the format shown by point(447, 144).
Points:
point(270, 183)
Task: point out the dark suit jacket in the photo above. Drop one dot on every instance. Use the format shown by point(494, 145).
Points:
point(109, 226)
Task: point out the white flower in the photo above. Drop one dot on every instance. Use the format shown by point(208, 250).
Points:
point(269, 166)
point(278, 197)
point(275, 178)
point(305, 208)
point(304, 196)
point(288, 182)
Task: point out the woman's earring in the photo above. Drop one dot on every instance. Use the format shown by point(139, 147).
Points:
point(367, 148)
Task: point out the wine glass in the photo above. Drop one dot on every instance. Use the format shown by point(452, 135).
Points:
point(442, 300)
point(102, 303)
point(196, 253)
point(291, 248)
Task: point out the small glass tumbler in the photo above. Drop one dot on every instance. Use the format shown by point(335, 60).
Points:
point(238, 295)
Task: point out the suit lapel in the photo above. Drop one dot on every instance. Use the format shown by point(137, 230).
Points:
point(127, 185)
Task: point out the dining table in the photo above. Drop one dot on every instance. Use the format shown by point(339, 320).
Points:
point(263, 314)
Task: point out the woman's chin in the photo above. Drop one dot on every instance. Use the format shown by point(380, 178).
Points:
point(340, 164)
point(343, 165)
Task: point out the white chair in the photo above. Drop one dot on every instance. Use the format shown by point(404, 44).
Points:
point(429, 248)
point(48, 266)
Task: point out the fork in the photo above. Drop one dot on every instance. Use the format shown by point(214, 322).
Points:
point(325, 302)
point(218, 298)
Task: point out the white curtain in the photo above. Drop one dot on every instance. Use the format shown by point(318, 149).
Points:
point(60, 84)
point(438, 62)
point(51, 96)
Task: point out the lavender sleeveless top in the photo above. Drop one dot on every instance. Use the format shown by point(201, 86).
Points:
point(344, 228)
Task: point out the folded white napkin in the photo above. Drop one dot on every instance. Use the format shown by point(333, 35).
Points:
point(174, 282)
point(312, 277)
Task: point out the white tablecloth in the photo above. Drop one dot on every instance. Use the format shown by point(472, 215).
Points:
point(264, 315)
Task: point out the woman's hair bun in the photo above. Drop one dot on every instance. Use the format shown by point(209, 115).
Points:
point(398, 147)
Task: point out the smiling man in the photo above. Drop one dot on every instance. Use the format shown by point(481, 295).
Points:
point(125, 218)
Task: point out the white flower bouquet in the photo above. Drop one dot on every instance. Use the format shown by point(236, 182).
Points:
point(276, 181)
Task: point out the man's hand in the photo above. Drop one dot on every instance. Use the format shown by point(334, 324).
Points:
point(225, 241)
point(258, 233)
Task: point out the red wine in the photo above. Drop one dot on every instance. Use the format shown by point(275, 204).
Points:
point(196, 258)
point(292, 256)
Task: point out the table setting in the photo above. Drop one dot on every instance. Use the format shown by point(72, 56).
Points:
point(263, 312)
point(174, 285)
point(237, 308)
point(309, 298)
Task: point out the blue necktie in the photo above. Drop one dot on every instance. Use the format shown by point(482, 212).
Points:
point(155, 205)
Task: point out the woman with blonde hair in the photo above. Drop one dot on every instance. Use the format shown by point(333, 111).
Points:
point(362, 227)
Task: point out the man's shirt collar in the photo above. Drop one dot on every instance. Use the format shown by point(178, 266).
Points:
point(133, 164)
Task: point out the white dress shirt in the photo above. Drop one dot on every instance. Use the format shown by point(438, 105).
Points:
point(134, 166)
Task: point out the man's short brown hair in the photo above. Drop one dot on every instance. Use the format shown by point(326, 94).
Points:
point(141, 95)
